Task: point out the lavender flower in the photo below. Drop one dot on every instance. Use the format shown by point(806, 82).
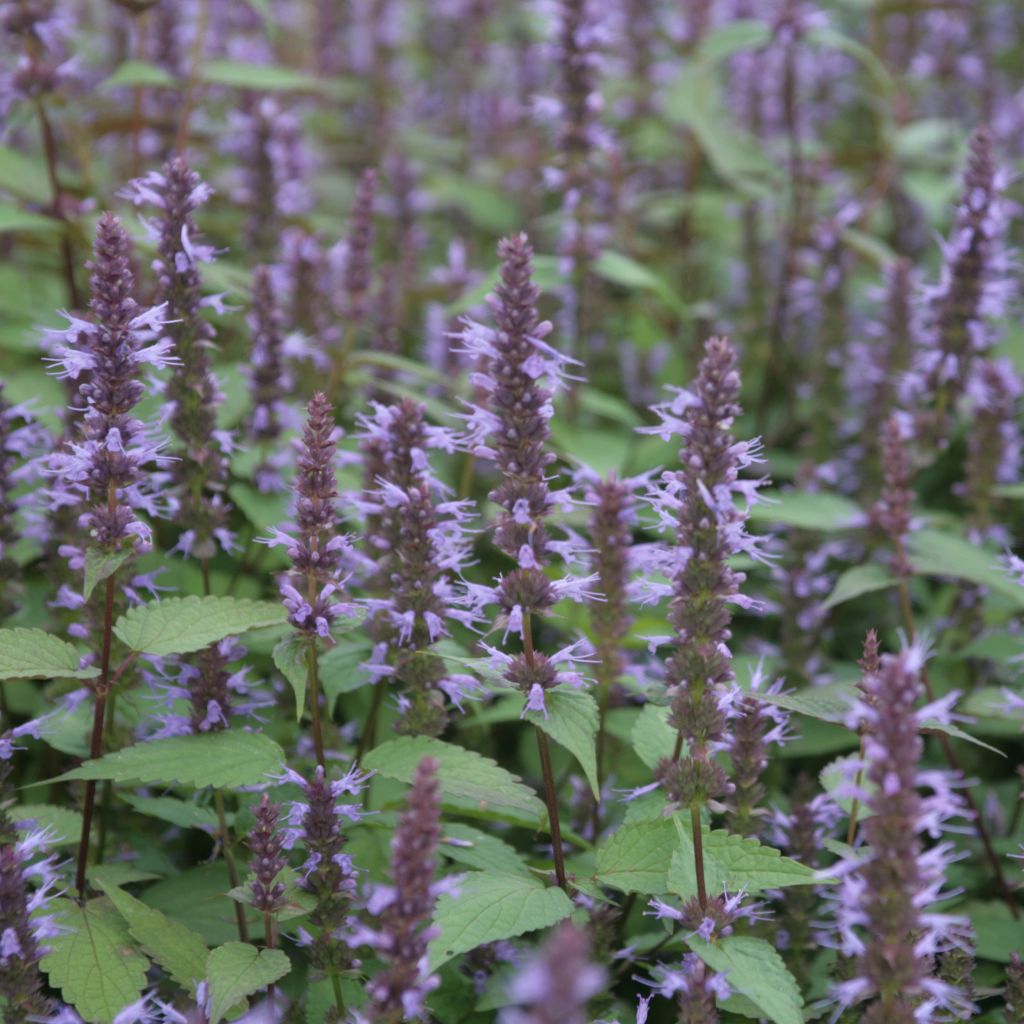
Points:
point(699, 500)
point(892, 510)
point(110, 464)
point(192, 392)
point(697, 987)
point(556, 985)
point(266, 843)
point(269, 381)
point(311, 590)
point(399, 992)
point(358, 251)
point(883, 917)
point(1013, 993)
point(42, 27)
point(317, 823)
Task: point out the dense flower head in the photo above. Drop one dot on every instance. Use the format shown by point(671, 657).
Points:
point(358, 253)
point(404, 911)
point(109, 465)
point(892, 510)
point(698, 989)
point(555, 986)
point(41, 30)
point(883, 912)
point(266, 843)
point(311, 591)
point(192, 393)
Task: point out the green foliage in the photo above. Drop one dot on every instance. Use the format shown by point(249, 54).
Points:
point(237, 970)
point(855, 582)
point(572, 721)
point(34, 654)
point(99, 565)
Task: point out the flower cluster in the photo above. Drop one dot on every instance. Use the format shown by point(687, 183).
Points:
point(266, 844)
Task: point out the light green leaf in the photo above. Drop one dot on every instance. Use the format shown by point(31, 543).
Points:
point(861, 579)
point(182, 813)
point(99, 565)
point(470, 783)
point(340, 670)
point(467, 845)
point(996, 933)
point(721, 43)
point(623, 270)
point(807, 510)
point(178, 950)
point(93, 961)
point(265, 77)
point(23, 175)
point(35, 654)
point(636, 858)
point(291, 656)
point(755, 970)
point(988, 705)
point(934, 553)
point(492, 906)
point(140, 73)
point(236, 970)
point(826, 707)
point(224, 760)
point(652, 737)
point(572, 722)
point(179, 625)
point(262, 510)
point(732, 863)
point(840, 771)
point(14, 218)
point(64, 824)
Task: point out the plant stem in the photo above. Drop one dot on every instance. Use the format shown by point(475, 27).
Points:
point(339, 999)
point(552, 801)
point(100, 689)
point(851, 830)
point(229, 860)
point(698, 855)
point(369, 734)
point(313, 680)
point(107, 797)
point(954, 761)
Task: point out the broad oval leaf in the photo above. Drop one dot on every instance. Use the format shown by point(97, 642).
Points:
point(35, 654)
point(236, 970)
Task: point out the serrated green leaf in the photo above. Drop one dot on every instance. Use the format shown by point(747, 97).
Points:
point(807, 510)
point(64, 824)
point(861, 579)
point(755, 970)
point(732, 863)
point(291, 656)
point(99, 565)
point(180, 625)
point(178, 950)
point(467, 845)
point(826, 708)
point(652, 737)
point(236, 970)
point(492, 906)
point(572, 720)
point(223, 760)
point(93, 961)
point(635, 858)
point(470, 782)
point(933, 553)
point(35, 654)
point(182, 813)
point(140, 73)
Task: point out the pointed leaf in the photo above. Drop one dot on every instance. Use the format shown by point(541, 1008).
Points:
point(636, 858)
point(807, 510)
point(224, 760)
point(934, 553)
point(291, 656)
point(492, 906)
point(861, 579)
point(99, 565)
point(652, 737)
point(179, 625)
point(237, 970)
point(572, 722)
point(93, 961)
point(35, 654)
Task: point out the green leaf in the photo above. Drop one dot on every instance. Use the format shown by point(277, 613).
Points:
point(823, 706)
point(732, 863)
point(223, 760)
point(467, 845)
point(745, 34)
point(93, 961)
point(35, 654)
point(652, 737)
point(572, 722)
point(169, 808)
point(807, 510)
point(291, 656)
point(179, 625)
point(988, 705)
point(340, 670)
point(755, 970)
point(861, 579)
point(492, 906)
point(470, 783)
point(262, 510)
point(934, 553)
point(636, 857)
point(996, 933)
point(99, 565)
point(267, 77)
point(24, 176)
point(237, 970)
point(14, 218)
point(140, 73)
point(64, 824)
point(837, 772)
point(625, 271)
point(177, 949)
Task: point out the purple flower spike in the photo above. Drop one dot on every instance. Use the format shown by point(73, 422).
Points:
point(556, 985)
point(892, 510)
point(399, 992)
point(266, 843)
point(883, 915)
point(359, 251)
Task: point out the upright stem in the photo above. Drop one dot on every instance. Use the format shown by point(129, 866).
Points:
point(369, 733)
point(954, 763)
point(698, 855)
point(339, 999)
point(107, 796)
point(96, 743)
point(313, 679)
point(544, 749)
point(229, 860)
point(851, 831)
